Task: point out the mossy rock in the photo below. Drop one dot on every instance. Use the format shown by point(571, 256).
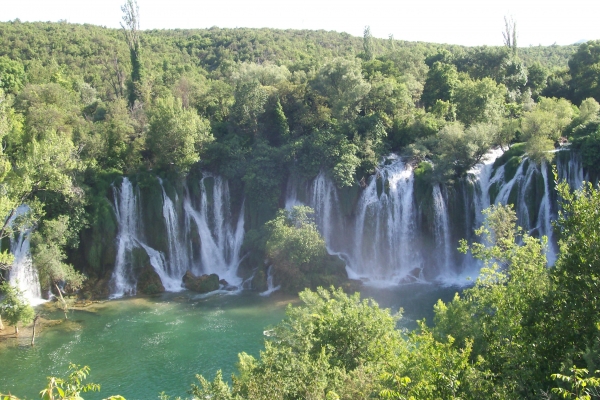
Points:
point(379, 186)
point(209, 186)
point(510, 168)
point(348, 197)
point(201, 284)
point(149, 282)
point(516, 150)
point(151, 204)
point(259, 282)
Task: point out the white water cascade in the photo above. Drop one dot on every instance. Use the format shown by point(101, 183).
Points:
point(377, 244)
point(200, 236)
point(123, 281)
point(270, 285)
point(22, 273)
point(391, 237)
point(220, 239)
point(442, 231)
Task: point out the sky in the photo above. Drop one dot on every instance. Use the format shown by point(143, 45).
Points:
point(464, 22)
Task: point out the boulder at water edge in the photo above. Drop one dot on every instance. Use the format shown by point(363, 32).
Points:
point(201, 284)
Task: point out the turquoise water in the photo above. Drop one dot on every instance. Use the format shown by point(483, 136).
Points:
point(139, 347)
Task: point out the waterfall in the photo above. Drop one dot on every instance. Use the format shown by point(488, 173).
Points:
point(22, 273)
point(481, 178)
point(571, 170)
point(377, 243)
point(209, 219)
point(220, 239)
point(177, 255)
point(123, 280)
point(545, 217)
point(383, 239)
point(442, 230)
point(270, 285)
point(383, 232)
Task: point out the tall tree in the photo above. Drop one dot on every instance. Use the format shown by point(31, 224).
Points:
point(131, 29)
point(510, 34)
point(368, 44)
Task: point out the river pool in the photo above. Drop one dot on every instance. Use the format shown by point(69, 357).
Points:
point(139, 347)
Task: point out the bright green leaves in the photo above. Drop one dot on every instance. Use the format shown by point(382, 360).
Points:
point(297, 251)
point(14, 308)
point(176, 135)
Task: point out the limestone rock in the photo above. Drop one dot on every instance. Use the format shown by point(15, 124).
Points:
point(201, 284)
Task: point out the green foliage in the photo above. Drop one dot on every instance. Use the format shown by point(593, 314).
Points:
point(544, 125)
point(582, 388)
point(12, 75)
point(575, 299)
point(176, 135)
point(297, 252)
point(442, 80)
point(494, 312)
point(480, 101)
point(584, 66)
point(47, 250)
point(341, 82)
point(14, 307)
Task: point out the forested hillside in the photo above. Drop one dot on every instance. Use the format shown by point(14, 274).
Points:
point(84, 109)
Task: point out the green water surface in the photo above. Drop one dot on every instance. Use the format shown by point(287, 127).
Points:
point(139, 347)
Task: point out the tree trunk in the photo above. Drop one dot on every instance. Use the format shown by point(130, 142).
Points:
point(62, 299)
point(33, 334)
point(17, 329)
point(1, 325)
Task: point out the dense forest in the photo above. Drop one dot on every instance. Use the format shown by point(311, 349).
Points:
point(82, 107)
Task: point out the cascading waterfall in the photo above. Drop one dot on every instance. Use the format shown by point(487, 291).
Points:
point(377, 243)
point(384, 233)
point(23, 273)
point(442, 231)
point(219, 240)
point(177, 256)
point(123, 279)
point(270, 284)
point(384, 241)
point(481, 179)
point(571, 170)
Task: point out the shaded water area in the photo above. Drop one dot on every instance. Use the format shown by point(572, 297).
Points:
point(139, 347)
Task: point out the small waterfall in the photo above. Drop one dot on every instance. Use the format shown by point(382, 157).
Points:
point(177, 256)
point(442, 230)
point(481, 178)
point(545, 217)
point(220, 240)
point(384, 228)
point(123, 280)
point(270, 285)
point(23, 273)
point(571, 170)
point(377, 241)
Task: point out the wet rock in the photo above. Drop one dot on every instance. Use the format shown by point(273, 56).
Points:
point(149, 282)
point(201, 284)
